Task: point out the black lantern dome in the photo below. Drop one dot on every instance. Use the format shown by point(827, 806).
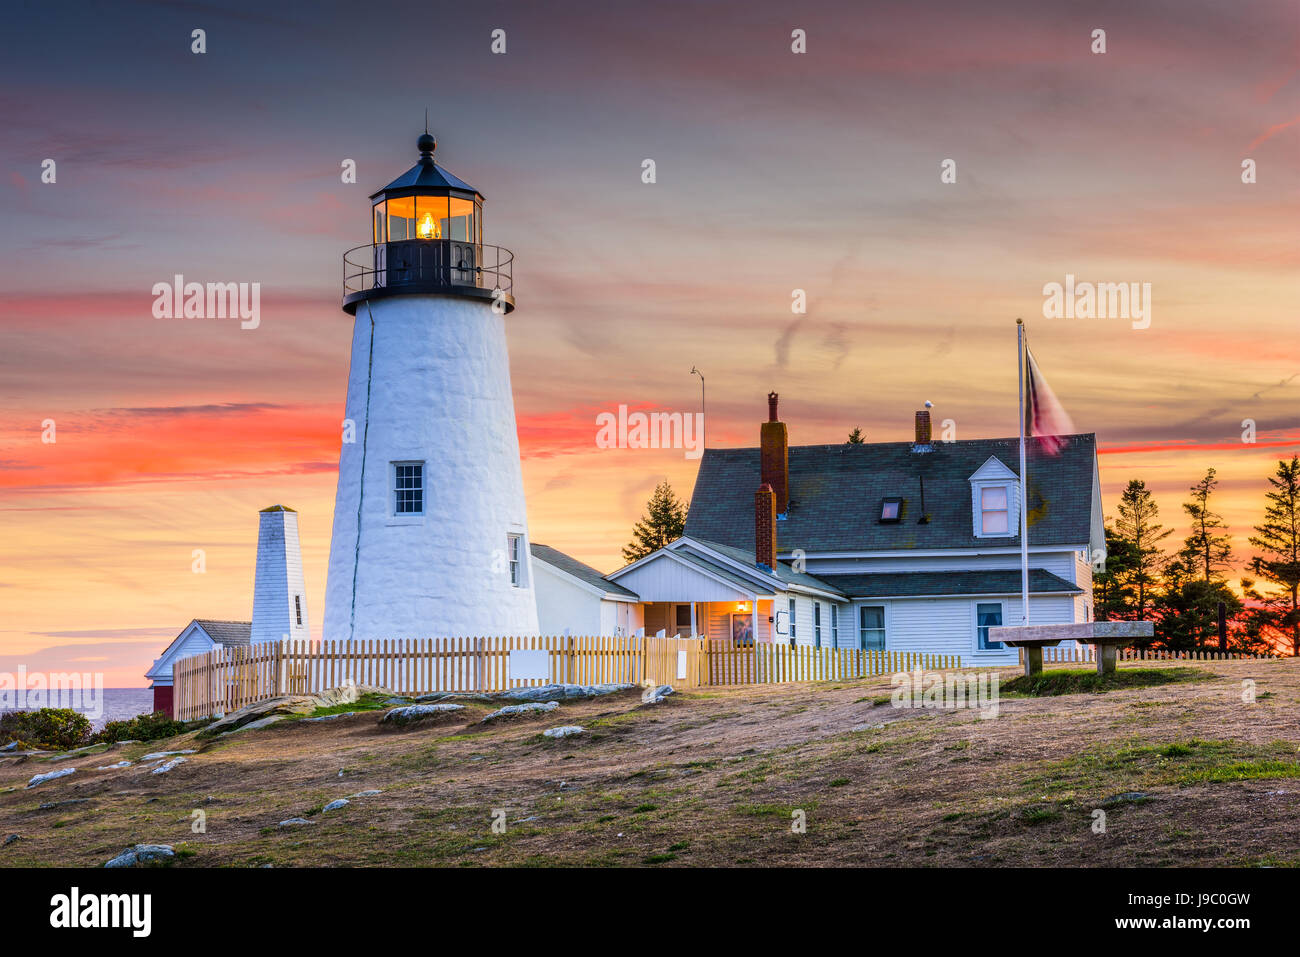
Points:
point(427, 237)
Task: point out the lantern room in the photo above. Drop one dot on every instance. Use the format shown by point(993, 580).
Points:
point(427, 237)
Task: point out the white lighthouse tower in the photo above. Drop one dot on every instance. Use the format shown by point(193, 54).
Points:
point(430, 532)
point(279, 596)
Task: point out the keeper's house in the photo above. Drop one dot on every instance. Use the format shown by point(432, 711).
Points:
point(901, 546)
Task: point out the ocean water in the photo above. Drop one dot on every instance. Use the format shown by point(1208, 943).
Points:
point(116, 704)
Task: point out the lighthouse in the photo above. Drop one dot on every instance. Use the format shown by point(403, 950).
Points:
point(430, 535)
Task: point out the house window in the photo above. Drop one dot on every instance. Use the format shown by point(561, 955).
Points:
point(995, 517)
point(817, 624)
point(986, 616)
point(683, 621)
point(891, 510)
point(297, 608)
point(514, 551)
point(835, 627)
point(792, 631)
point(408, 488)
point(871, 628)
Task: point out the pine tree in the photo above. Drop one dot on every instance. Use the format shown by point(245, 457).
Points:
point(1187, 607)
point(1209, 548)
point(1137, 525)
point(664, 522)
point(856, 437)
point(1278, 540)
point(1187, 604)
point(1112, 591)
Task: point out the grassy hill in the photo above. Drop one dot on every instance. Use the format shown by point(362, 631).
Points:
point(1186, 773)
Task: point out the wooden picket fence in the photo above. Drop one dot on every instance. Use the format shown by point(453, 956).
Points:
point(729, 664)
point(227, 679)
point(1087, 654)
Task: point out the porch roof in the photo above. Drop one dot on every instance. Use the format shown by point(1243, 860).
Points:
point(950, 583)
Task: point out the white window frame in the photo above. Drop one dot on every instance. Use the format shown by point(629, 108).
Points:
point(835, 625)
point(975, 618)
point(817, 624)
point(794, 614)
point(989, 509)
point(883, 629)
point(393, 490)
point(515, 559)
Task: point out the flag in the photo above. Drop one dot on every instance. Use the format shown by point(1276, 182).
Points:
point(1044, 415)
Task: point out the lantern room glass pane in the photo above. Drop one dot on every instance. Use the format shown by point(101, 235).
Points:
point(381, 225)
point(431, 217)
point(401, 219)
point(462, 221)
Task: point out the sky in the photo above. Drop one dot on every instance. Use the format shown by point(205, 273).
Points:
point(774, 171)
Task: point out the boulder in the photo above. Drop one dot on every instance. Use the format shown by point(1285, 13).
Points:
point(159, 755)
point(11, 746)
point(658, 695)
point(115, 767)
point(294, 821)
point(170, 765)
point(11, 839)
point(564, 731)
point(562, 692)
point(142, 854)
point(419, 712)
point(364, 794)
point(50, 776)
point(293, 705)
point(270, 719)
point(520, 710)
point(333, 717)
point(335, 805)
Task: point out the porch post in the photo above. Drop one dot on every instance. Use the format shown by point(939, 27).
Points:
point(694, 631)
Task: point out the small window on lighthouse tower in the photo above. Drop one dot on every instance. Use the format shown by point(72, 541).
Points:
point(514, 548)
point(408, 488)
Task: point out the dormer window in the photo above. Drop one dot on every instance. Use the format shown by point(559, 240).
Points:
point(891, 511)
point(995, 500)
point(994, 514)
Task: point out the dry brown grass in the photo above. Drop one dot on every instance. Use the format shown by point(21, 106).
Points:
point(713, 778)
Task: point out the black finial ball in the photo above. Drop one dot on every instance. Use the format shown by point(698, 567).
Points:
point(426, 143)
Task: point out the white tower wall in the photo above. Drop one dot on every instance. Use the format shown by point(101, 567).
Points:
point(279, 595)
point(434, 375)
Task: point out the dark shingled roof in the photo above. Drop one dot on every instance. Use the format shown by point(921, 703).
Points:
point(904, 584)
point(577, 569)
point(228, 633)
point(836, 492)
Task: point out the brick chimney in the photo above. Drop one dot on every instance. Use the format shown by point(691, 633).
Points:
point(774, 456)
point(922, 441)
point(765, 527)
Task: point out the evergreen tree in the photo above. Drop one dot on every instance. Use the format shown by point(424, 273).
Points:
point(1137, 525)
point(1112, 591)
point(1187, 607)
point(1187, 604)
point(856, 437)
point(664, 522)
point(1209, 547)
point(1278, 541)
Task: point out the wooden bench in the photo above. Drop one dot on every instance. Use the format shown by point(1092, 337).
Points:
point(1106, 635)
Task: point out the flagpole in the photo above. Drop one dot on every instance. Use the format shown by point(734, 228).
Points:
point(1024, 485)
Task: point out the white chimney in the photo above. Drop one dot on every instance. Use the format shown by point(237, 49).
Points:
point(279, 597)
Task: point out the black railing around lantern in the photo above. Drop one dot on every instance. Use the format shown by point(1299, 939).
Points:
point(442, 266)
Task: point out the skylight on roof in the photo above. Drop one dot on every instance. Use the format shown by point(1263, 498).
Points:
point(891, 510)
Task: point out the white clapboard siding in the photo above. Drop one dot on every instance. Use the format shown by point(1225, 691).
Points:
point(670, 580)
